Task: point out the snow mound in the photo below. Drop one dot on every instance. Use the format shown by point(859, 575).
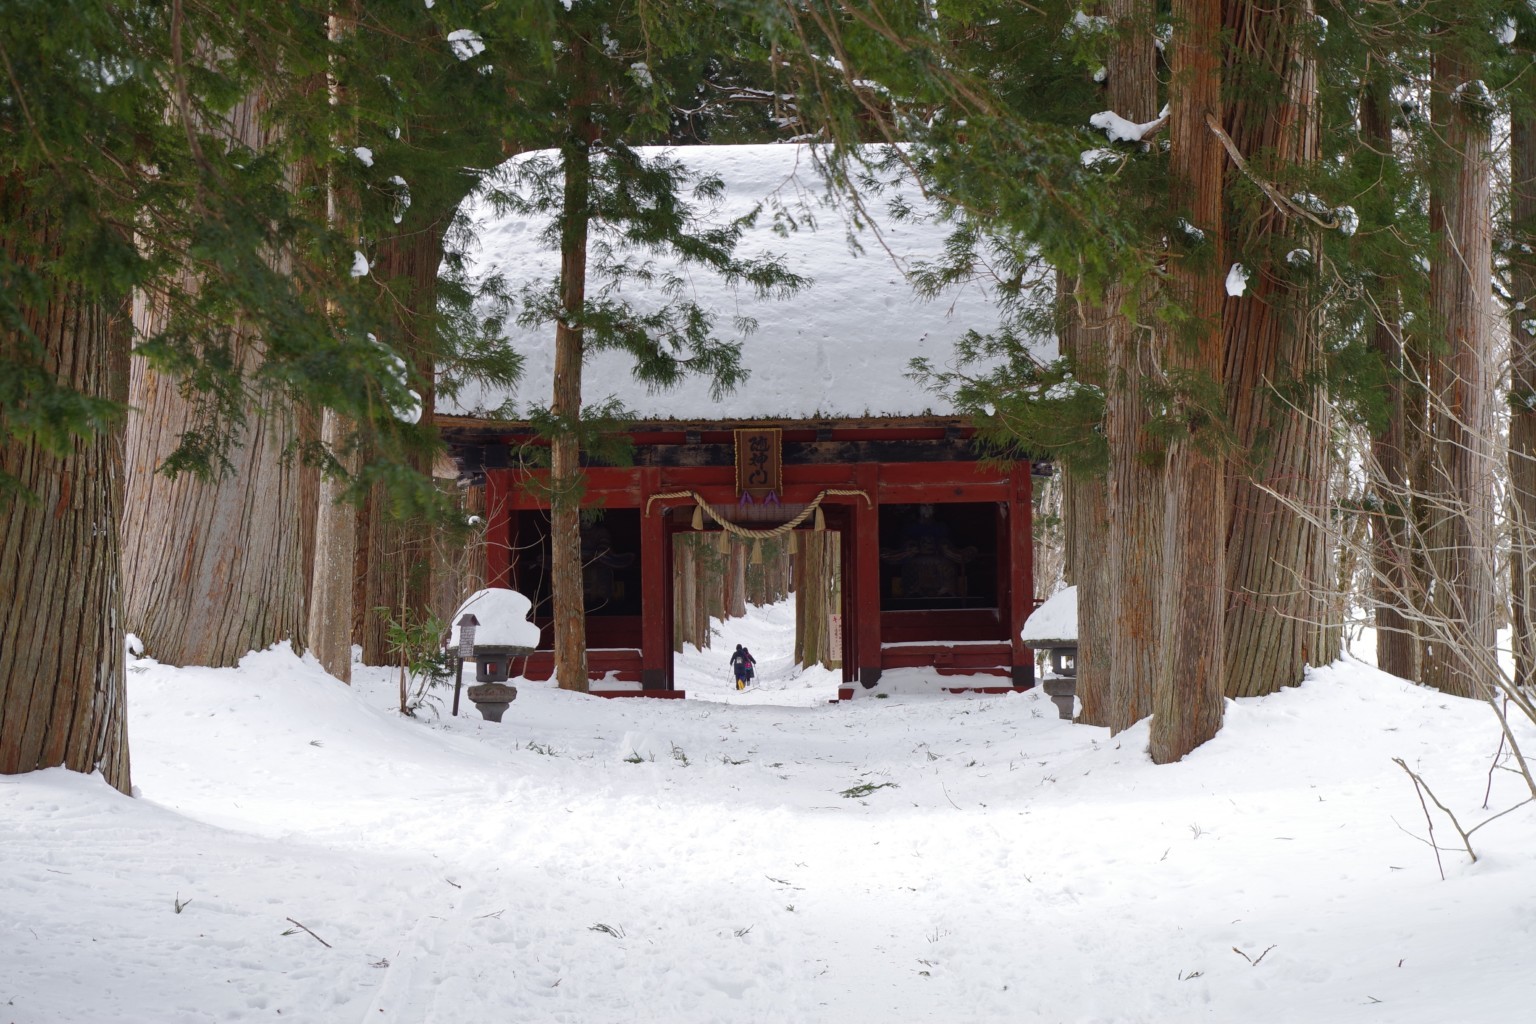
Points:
point(1054, 620)
point(503, 616)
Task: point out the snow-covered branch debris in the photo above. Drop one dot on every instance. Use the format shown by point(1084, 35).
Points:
point(1237, 280)
point(465, 43)
point(1119, 129)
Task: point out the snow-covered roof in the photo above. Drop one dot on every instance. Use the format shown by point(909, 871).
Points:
point(1054, 623)
point(839, 348)
point(503, 619)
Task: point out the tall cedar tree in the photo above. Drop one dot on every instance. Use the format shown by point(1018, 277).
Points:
point(1186, 692)
point(213, 568)
point(1131, 637)
point(219, 566)
point(333, 563)
point(1217, 398)
point(121, 177)
point(1522, 388)
point(1459, 485)
point(432, 129)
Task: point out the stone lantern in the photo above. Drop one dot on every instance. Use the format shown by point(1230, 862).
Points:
point(493, 626)
point(1053, 628)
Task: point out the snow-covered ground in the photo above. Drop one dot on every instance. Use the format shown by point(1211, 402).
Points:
point(769, 634)
point(914, 858)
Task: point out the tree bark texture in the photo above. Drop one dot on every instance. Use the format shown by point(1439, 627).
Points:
point(1135, 487)
point(1522, 421)
point(61, 625)
point(736, 581)
point(1085, 513)
point(683, 593)
point(458, 562)
point(565, 476)
point(213, 569)
point(333, 572)
point(397, 573)
point(1461, 480)
point(708, 563)
point(1135, 552)
point(565, 456)
point(1278, 553)
point(817, 599)
point(1187, 692)
point(1392, 577)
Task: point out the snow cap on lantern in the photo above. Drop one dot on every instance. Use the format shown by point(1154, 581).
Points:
point(502, 630)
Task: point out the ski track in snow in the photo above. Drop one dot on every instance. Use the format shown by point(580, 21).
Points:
point(1019, 868)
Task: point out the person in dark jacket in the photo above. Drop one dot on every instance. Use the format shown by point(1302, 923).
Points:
point(742, 665)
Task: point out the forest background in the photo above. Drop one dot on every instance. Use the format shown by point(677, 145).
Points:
point(1291, 253)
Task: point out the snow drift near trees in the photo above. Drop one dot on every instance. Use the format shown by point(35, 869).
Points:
point(630, 861)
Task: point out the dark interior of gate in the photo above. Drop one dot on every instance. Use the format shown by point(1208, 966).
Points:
point(936, 544)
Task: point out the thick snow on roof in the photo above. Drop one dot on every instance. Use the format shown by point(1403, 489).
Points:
point(839, 348)
point(503, 619)
point(1056, 619)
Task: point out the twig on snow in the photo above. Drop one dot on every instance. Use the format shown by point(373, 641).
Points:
point(1251, 961)
point(312, 935)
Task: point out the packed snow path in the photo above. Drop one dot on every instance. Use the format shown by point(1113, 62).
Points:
point(769, 633)
point(907, 859)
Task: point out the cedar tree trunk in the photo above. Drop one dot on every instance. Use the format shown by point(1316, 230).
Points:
point(1391, 562)
point(61, 632)
point(1187, 692)
point(1133, 556)
point(333, 573)
point(1277, 550)
point(570, 623)
point(1461, 482)
point(397, 574)
point(1085, 513)
point(1522, 420)
point(212, 569)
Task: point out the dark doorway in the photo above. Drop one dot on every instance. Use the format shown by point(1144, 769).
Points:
point(610, 557)
point(938, 556)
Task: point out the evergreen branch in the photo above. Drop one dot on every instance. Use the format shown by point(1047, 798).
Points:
point(183, 98)
point(26, 111)
point(1284, 204)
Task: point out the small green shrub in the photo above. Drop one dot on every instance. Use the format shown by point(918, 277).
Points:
point(416, 643)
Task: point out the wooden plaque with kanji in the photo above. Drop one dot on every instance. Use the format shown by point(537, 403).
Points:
point(759, 463)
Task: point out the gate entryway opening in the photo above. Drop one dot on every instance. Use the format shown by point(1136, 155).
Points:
point(780, 597)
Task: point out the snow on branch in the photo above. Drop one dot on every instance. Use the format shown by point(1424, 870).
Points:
point(1120, 129)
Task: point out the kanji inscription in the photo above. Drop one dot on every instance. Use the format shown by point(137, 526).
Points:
point(759, 463)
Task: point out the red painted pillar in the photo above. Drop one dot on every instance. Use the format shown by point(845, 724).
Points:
point(498, 528)
point(656, 591)
point(866, 584)
point(1021, 569)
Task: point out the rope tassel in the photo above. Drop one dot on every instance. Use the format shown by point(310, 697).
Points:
point(698, 517)
point(821, 520)
point(724, 543)
point(757, 552)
